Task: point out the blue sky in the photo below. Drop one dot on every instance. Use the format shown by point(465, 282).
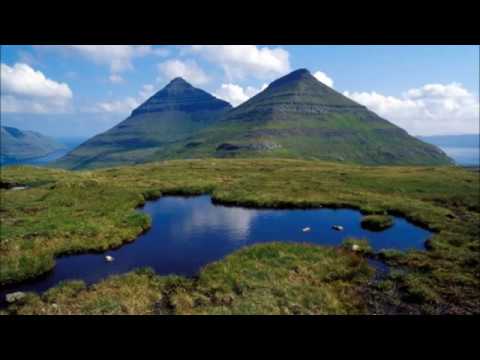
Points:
point(78, 91)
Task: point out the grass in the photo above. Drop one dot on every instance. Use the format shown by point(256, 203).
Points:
point(275, 278)
point(377, 222)
point(69, 212)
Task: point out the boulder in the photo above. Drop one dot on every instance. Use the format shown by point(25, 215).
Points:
point(15, 188)
point(109, 258)
point(355, 247)
point(337, 227)
point(14, 297)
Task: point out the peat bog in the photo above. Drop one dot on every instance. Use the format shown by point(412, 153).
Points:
point(187, 233)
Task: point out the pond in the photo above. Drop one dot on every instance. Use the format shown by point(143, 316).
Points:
point(190, 232)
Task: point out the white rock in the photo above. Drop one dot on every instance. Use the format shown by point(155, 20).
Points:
point(337, 227)
point(355, 247)
point(109, 258)
point(306, 229)
point(13, 297)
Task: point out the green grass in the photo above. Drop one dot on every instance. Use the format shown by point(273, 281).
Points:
point(296, 117)
point(71, 212)
point(377, 222)
point(275, 278)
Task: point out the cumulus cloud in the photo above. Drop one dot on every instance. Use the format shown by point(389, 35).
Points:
point(324, 78)
point(118, 106)
point(126, 105)
point(26, 90)
point(117, 57)
point(433, 109)
point(188, 70)
point(239, 61)
point(146, 91)
point(235, 94)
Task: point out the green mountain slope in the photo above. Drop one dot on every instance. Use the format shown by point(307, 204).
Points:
point(172, 114)
point(299, 117)
point(16, 145)
point(296, 116)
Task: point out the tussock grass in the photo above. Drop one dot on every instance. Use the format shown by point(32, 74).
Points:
point(67, 212)
point(377, 222)
point(274, 278)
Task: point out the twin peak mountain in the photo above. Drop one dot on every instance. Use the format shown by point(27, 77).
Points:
point(296, 116)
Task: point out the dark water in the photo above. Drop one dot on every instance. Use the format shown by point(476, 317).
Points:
point(189, 232)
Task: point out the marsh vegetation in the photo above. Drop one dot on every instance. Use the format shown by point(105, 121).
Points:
point(65, 212)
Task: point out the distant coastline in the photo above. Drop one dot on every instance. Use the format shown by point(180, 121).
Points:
point(464, 149)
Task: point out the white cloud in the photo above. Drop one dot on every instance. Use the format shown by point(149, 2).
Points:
point(188, 70)
point(26, 90)
point(116, 79)
point(126, 105)
point(324, 78)
point(235, 94)
point(118, 106)
point(433, 109)
point(146, 91)
point(162, 52)
point(240, 61)
point(117, 57)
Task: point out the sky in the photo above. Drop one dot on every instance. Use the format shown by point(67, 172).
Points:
point(81, 90)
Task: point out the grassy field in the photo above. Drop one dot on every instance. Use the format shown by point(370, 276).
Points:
point(274, 278)
point(66, 212)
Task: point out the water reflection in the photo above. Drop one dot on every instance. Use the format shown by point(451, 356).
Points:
point(188, 233)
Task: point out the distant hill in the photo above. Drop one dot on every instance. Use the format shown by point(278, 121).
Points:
point(17, 145)
point(464, 149)
point(296, 116)
point(172, 114)
point(455, 141)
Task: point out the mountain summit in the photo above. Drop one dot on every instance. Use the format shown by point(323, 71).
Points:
point(296, 116)
point(296, 93)
point(179, 95)
point(170, 115)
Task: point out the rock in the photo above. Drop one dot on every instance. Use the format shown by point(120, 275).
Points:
point(14, 297)
point(355, 247)
point(18, 188)
point(306, 229)
point(337, 227)
point(109, 258)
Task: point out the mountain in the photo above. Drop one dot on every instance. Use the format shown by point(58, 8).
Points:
point(17, 145)
point(172, 114)
point(297, 116)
